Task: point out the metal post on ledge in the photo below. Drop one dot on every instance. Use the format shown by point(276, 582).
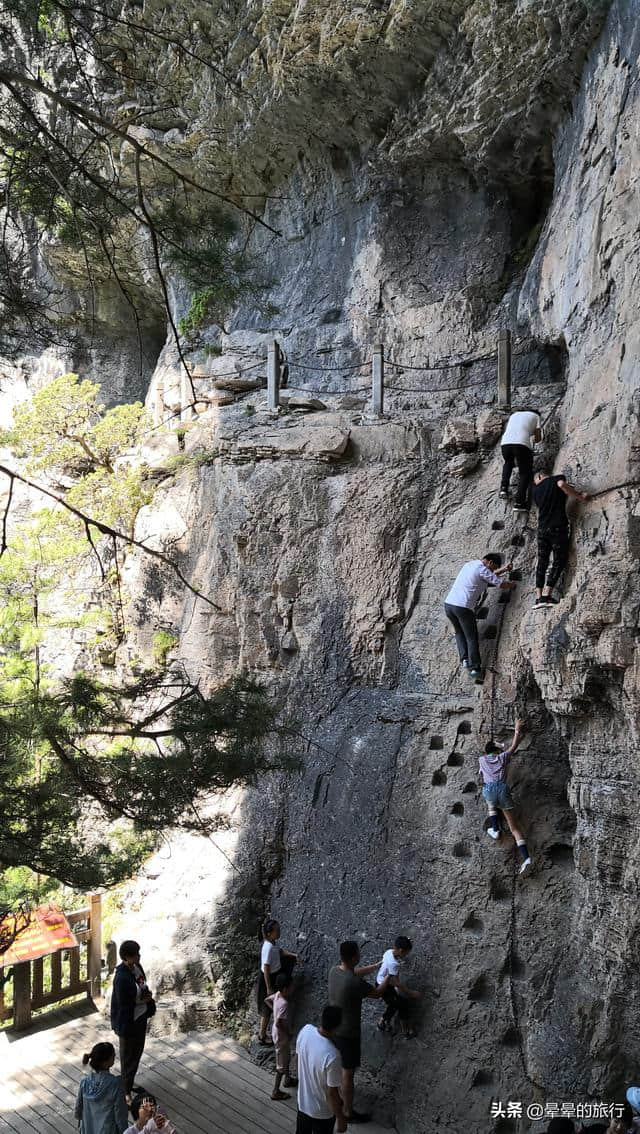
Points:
point(186, 396)
point(377, 381)
point(273, 376)
point(158, 405)
point(504, 369)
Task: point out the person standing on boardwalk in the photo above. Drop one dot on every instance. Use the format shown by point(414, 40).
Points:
point(494, 767)
point(523, 430)
point(319, 1076)
point(347, 990)
point(273, 962)
point(460, 604)
point(100, 1104)
point(554, 532)
point(281, 1034)
point(131, 1006)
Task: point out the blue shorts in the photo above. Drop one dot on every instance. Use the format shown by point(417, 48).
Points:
point(498, 795)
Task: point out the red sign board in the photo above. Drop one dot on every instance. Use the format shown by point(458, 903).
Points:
point(47, 931)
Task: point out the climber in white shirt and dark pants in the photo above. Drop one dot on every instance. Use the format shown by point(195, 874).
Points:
point(396, 995)
point(523, 430)
point(460, 604)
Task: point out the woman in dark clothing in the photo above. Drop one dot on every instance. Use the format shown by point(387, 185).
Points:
point(131, 1006)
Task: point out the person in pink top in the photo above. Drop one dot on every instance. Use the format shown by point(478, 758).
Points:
point(281, 1035)
point(493, 767)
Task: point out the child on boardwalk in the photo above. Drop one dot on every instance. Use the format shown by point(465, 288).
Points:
point(282, 1034)
point(494, 766)
point(396, 994)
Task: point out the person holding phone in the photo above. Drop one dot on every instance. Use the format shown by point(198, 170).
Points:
point(131, 1006)
point(147, 1117)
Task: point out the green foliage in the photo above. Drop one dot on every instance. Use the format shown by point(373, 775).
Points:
point(163, 643)
point(202, 307)
point(141, 752)
point(64, 428)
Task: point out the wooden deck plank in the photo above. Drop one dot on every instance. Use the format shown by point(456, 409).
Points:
point(207, 1082)
point(232, 1080)
point(207, 1114)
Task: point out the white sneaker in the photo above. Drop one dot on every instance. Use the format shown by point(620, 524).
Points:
point(525, 866)
point(492, 831)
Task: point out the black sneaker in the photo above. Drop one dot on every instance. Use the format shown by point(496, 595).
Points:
point(504, 495)
point(476, 674)
point(544, 602)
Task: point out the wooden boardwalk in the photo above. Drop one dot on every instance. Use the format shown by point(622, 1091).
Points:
point(207, 1083)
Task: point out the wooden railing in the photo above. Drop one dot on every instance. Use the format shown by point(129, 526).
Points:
point(58, 976)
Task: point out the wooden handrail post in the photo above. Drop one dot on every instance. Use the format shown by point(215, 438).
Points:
point(504, 369)
point(273, 376)
point(22, 995)
point(94, 948)
point(377, 381)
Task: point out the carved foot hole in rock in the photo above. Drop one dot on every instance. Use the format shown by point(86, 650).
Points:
point(482, 1078)
point(497, 526)
point(438, 779)
point(490, 632)
point(457, 809)
point(436, 742)
point(464, 728)
point(461, 850)
point(509, 1038)
point(516, 576)
point(561, 855)
point(505, 1126)
point(517, 541)
point(469, 787)
point(455, 760)
point(514, 967)
point(473, 925)
point(481, 989)
point(497, 889)
point(482, 613)
point(504, 597)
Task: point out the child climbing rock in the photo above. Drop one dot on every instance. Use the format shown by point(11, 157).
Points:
point(396, 996)
point(494, 766)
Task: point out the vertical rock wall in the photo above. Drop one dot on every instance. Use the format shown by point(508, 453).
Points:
point(329, 546)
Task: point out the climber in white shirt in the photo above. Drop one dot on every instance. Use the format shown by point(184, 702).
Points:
point(396, 994)
point(460, 604)
point(523, 430)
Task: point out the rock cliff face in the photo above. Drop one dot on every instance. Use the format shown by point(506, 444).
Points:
point(443, 170)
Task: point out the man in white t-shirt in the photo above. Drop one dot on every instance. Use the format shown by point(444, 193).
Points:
point(396, 994)
point(523, 430)
point(460, 605)
point(319, 1076)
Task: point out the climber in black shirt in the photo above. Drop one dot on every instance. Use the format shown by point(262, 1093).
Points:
point(550, 497)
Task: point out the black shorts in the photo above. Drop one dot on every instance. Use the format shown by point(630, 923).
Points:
point(349, 1048)
point(307, 1125)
